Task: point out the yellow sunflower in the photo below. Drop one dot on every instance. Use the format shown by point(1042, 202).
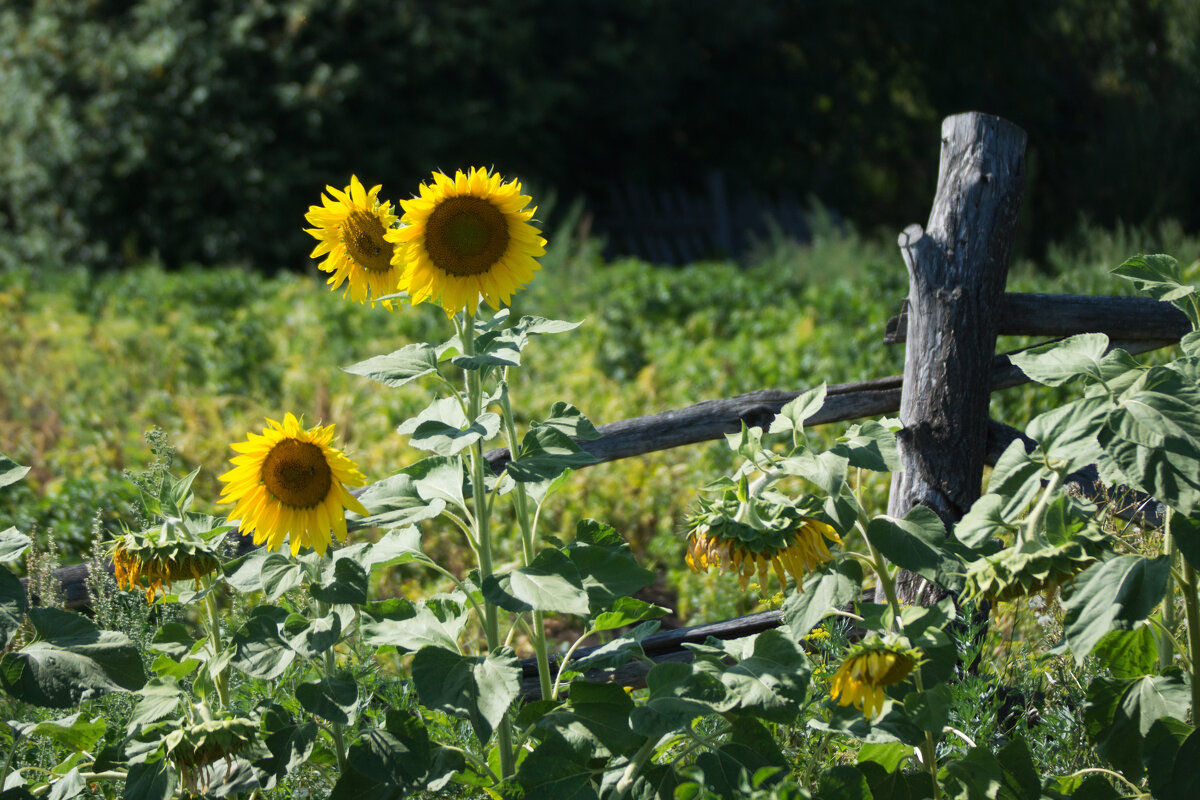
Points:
point(289, 482)
point(466, 237)
point(868, 669)
point(779, 540)
point(160, 560)
point(351, 226)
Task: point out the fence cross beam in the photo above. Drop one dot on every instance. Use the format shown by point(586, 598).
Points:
point(957, 268)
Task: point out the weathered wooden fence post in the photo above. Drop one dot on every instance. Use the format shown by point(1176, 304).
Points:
point(957, 268)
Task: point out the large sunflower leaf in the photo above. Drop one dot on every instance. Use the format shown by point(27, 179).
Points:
point(1115, 594)
point(260, 649)
point(551, 582)
point(395, 762)
point(1153, 437)
point(1056, 363)
point(397, 501)
point(918, 544)
point(399, 367)
point(479, 687)
point(409, 626)
point(606, 564)
point(823, 593)
point(71, 660)
point(546, 453)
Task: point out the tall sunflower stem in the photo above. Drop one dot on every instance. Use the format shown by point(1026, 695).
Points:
point(482, 527)
point(1191, 608)
point(521, 502)
point(329, 662)
point(929, 748)
point(886, 582)
point(1166, 653)
point(212, 622)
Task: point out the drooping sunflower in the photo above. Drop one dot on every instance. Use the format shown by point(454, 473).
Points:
point(195, 748)
point(351, 225)
point(290, 483)
point(773, 538)
point(868, 669)
point(466, 237)
point(159, 558)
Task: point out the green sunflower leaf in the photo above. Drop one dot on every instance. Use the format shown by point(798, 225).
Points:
point(11, 471)
point(1114, 594)
point(1160, 277)
point(409, 626)
point(399, 367)
point(1056, 363)
point(918, 543)
point(397, 501)
point(793, 414)
point(13, 545)
point(568, 419)
point(546, 453)
point(551, 582)
point(481, 688)
point(823, 592)
point(1153, 437)
point(333, 698)
point(259, 647)
point(71, 660)
point(869, 445)
point(13, 604)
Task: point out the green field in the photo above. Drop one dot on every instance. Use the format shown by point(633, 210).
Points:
point(90, 362)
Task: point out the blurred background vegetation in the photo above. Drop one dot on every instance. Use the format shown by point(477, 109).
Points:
point(198, 131)
point(157, 158)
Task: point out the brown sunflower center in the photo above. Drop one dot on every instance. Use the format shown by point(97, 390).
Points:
point(466, 236)
point(296, 473)
point(362, 233)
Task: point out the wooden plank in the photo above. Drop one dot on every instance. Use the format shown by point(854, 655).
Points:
point(1068, 314)
point(957, 267)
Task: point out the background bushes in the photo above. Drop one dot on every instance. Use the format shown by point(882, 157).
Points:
point(200, 130)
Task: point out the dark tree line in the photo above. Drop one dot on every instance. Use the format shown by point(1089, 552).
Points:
point(200, 130)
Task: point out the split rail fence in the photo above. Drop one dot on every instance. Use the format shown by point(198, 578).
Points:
point(957, 266)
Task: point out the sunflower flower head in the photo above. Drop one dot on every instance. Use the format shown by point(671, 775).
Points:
point(467, 237)
point(869, 668)
point(290, 483)
point(1033, 567)
point(350, 226)
point(159, 558)
point(193, 749)
point(758, 539)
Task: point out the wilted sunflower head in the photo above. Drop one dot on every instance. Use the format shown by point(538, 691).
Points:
point(1033, 567)
point(160, 557)
point(350, 225)
point(291, 483)
point(194, 748)
point(870, 667)
point(467, 237)
point(772, 538)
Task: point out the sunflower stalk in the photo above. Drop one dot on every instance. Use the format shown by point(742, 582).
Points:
point(329, 662)
point(521, 503)
point(483, 537)
point(1166, 653)
point(212, 623)
point(1033, 523)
